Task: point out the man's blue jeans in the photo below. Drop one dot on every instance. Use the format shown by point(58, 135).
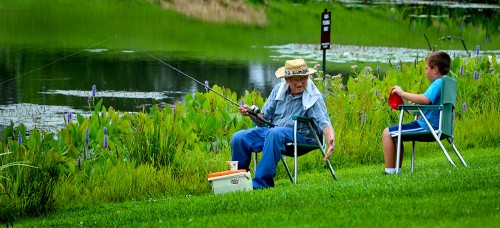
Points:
point(271, 141)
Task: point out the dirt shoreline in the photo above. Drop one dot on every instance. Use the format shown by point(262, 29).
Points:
point(220, 11)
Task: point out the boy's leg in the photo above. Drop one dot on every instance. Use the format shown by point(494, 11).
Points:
point(389, 146)
point(389, 141)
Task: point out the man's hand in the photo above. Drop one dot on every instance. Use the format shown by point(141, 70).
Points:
point(243, 109)
point(331, 147)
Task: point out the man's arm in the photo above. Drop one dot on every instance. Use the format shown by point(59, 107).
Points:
point(329, 135)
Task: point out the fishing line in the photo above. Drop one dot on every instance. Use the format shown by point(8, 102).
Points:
point(58, 60)
point(254, 110)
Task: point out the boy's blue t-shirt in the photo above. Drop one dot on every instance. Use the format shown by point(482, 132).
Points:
point(434, 95)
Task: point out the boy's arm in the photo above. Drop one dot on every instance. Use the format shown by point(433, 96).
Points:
point(415, 98)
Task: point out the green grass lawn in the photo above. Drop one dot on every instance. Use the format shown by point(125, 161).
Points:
point(435, 195)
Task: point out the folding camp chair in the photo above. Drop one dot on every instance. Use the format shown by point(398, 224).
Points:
point(446, 123)
point(295, 150)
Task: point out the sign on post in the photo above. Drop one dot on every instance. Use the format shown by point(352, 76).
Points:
point(325, 30)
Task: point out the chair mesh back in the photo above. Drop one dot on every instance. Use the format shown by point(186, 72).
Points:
point(448, 100)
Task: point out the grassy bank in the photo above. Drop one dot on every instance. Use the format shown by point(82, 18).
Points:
point(434, 195)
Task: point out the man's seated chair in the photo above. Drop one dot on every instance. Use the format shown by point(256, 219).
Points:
point(295, 150)
point(446, 123)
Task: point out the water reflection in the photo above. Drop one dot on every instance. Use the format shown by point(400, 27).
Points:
point(125, 82)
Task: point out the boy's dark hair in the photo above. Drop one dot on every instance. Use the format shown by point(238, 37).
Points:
point(441, 60)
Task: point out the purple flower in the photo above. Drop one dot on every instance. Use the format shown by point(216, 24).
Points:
point(461, 70)
point(399, 67)
point(476, 75)
point(69, 116)
point(105, 129)
point(89, 99)
point(477, 49)
point(94, 91)
point(454, 54)
point(498, 75)
point(19, 138)
point(87, 134)
point(79, 161)
point(242, 101)
point(376, 92)
point(206, 84)
point(464, 107)
point(85, 153)
point(363, 117)
point(106, 141)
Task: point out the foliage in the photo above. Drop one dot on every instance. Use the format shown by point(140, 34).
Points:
point(29, 191)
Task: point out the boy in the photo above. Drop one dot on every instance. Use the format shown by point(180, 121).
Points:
point(437, 64)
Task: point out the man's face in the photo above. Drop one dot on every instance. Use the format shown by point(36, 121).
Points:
point(297, 84)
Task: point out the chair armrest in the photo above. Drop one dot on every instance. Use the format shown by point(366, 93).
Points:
point(302, 119)
point(424, 107)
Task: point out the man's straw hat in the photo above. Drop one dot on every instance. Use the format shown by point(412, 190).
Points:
point(295, 67)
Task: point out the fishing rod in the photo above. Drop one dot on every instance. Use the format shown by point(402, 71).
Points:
point(253, 110)
point(58, 60)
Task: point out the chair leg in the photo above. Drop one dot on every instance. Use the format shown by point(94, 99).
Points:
point(331, 169)
point(254, 162)
point(398, 148)
point(450, 140)
point(445, 153)
point(322, 149)
point(436, 137)
point(412, 155)
point(283, 159)
point(295, 168)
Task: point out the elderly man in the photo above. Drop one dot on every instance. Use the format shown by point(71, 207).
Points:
point(296, 95)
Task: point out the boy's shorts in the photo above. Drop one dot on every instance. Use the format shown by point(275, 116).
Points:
point(406, 127)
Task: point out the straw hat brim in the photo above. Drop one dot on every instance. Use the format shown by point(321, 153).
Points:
point(280, 73)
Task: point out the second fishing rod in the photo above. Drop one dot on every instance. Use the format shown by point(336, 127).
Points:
point(253, 110)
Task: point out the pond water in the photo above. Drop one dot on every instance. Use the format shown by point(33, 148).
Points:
point(39, 85)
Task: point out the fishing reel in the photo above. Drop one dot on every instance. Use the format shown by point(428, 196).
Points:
point(254, 110)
